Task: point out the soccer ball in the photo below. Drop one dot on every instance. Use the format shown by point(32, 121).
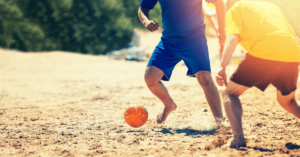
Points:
point(136, 115)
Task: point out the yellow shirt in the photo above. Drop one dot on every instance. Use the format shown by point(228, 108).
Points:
point(263, 31)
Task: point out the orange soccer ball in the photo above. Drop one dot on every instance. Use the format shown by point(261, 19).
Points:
point(136, 115)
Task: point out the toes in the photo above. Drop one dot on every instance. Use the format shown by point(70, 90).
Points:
point(159, 119)
point(236, 145)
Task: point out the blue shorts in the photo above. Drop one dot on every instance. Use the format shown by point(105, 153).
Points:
point(193, 51)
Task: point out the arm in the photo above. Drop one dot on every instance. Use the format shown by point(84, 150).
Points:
point(230, 45)
point(220, 8)
point(144, 17)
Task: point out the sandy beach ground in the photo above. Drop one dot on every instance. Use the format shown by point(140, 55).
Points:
point(68, 104)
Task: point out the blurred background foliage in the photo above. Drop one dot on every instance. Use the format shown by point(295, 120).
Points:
point(84, 26)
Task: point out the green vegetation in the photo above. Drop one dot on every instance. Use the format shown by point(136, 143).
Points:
point(84, 26)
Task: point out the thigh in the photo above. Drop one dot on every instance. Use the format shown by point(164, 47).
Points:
point(285, 99)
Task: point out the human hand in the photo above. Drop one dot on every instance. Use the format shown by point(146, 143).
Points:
point(151, 26)
point(222, 38)
point(221, 77)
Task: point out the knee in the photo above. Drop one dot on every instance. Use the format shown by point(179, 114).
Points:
point(204, 78)
point(225, 96)
point(228, 93)
point(150, 80)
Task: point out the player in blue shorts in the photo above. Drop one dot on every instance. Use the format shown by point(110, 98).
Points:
point(183, 39)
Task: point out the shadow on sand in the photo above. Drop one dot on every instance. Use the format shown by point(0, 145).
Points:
point(186, 131)
point(256, 148)
point(289, 146)
point(131, 131)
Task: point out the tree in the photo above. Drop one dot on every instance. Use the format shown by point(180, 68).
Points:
point(101, 25)
point(84, 26)
point(10, 14)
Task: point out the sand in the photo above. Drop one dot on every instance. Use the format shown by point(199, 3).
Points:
point(67, 104)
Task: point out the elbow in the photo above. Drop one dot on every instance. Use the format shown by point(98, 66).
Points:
point(140, 9)
point(144, 10)
point(233, 39)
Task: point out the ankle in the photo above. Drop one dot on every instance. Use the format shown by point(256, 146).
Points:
point(220, 119)
point(239, 137)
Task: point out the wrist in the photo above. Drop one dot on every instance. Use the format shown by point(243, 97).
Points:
point(223, 67)
point(221, 31)
point(145, 21)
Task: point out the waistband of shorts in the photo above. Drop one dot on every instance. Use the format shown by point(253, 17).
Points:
point(251, 57)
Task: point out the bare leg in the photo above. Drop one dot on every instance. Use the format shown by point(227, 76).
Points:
point(234, 111)
point(153, 76)
point(289, 103)
point(211, 93)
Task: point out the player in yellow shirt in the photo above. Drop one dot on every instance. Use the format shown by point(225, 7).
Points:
point(273, 58)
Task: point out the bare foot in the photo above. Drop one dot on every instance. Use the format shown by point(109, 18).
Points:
point(162, 117)
point(223, 127)
point(237, 144)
